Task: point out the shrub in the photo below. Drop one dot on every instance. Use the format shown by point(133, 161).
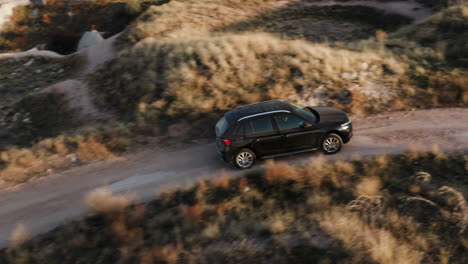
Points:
point(260, 224)
point(194, 79)
point(104, 202)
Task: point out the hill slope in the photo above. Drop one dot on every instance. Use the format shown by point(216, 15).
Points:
point(406, 209)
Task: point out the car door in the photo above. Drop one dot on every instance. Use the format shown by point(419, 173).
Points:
point(265, 138)
point(297, 133)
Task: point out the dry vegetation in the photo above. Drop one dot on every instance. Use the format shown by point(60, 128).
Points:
point(198, 78)
point(191, 59)
point(48, 155)
point(409, 208)
point(446, 31)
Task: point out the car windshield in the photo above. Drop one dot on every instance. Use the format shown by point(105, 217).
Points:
point(306, 112)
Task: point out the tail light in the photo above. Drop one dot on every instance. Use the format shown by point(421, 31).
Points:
point(226, 142)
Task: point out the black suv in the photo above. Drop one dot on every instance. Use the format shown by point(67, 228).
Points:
point(276, 128)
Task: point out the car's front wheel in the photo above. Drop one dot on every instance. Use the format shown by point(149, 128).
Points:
point(332, 143)
point(244, 159)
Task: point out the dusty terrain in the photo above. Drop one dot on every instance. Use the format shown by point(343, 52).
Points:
point(43, 204)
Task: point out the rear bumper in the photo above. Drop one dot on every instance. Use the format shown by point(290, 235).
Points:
point(225, 155)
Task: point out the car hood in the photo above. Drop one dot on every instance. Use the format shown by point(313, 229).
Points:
point(330, 115)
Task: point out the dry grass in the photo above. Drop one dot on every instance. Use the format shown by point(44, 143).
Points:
point(446, 31)
point(315, 215)
point(18, 165)
point(198, 77)
point(189, 60)
point(103, 201)
point(368, 240)
point(369, 187)
point(20, 235)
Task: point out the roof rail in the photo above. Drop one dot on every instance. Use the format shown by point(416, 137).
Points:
point(264, 113)
point(280, 100)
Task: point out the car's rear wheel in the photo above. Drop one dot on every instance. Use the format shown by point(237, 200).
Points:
point(332, 143)
point(244, 159)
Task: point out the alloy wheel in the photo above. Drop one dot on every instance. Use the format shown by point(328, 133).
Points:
point(244, 159)
point(331, 144)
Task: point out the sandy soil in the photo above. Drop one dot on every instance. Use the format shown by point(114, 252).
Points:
point(45, 203)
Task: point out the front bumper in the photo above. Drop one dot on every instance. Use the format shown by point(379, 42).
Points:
point(346, 132)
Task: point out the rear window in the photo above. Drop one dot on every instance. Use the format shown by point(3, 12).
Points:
point(221, 127)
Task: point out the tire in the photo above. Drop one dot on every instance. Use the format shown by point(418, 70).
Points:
point(244, 159)
point(331, 144)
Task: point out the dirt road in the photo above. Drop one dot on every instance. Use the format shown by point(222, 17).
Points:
point(43, 204)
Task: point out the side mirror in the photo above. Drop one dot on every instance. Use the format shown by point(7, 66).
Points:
point(304, 125)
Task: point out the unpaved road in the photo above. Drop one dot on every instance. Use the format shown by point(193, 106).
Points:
point(43, 204)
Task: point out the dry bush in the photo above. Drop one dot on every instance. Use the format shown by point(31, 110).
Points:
point(193, 213)
point(368, 186)
point(450, 88)
point(460, 206)
point(368, 240)
point(20, 235)
point(280, 222)
point(167, 254)
point(104, 201)
point(244, 185)
point(91, 149)
point(223, 180)
point(212, 231)
point(297, 221)
point(446, 31)
point(280, 172)
point(184, 64)
point(367, 204)
point(61, 152)
point(195, 78)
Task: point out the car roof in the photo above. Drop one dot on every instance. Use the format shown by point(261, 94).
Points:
point(258, 108)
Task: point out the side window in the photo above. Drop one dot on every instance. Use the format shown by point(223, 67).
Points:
point(240, 129)
point(262, 126)
point(248, 128)
point(288, 122)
